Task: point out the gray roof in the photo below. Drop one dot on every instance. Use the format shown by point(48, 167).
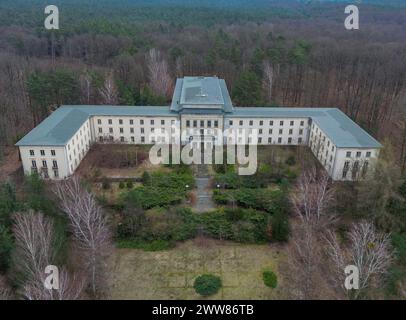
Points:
point(197, 92)
point(340, 129)
point(62, 124)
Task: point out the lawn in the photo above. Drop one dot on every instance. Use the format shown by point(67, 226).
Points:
point(169, 274)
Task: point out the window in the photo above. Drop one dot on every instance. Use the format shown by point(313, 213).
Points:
point(122, 139)
point(209, 123)
point(42, 153)
point(216, 123)
point(365, 169)
point(201, 123)
point(56, 174)
point(142, 130)
point(142, 121)
point(111, 130)
point(270, 131)
point(142, 139)
point(121, 130)
point(302, 123)
point(152, 122)
point(269, 140)
point(32, 153)
point(292, 123)
point(271, 122)
point(345, 169)
point(259, 140)
point(300, 131)
point(260, 131)
point(54, 164)
point(44, 163)
point(348, 154)
point(187, 123)
point(355, 169)
point(290, 131)
point(131, 121)
point(289, 140)
point(110, 121)
point(132, 139)
point(163, 122)
point(299, 140)
point(368, 155)
point(279, 140)
point(230, 122)
point(194, 123)
point(241, 122)
point(100, 130)
point(152, 130)
point(131, 130)
point(261, 123)
point(98, 121)
point(162, 130)
point(34, 163)
point(280, 131)
point(358, 154)
point(281, 123)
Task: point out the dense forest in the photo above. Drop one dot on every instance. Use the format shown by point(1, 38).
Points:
point(275, 53)
point(271, 53)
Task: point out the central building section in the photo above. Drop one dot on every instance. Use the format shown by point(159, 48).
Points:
point(201, 103)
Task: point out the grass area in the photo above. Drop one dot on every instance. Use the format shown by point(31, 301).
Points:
point(170, 274)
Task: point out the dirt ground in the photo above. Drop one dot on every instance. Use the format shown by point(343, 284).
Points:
point(10, 164)
point(170, 274)
point(116, 161)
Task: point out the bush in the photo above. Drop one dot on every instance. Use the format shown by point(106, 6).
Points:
point(155, 245)
point(121, 185)
point(280, 228)
point(146, 178)
point(207, 284)
point(290, 161)
point(270, 278)
point(105, 183)
point(129, 184)
point(399, 243)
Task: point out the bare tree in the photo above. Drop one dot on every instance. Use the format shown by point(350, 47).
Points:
point(369, 250)
point(312, 196)
point(5, 291)
point(159, 78)
point(268, 79)
point(86, 87)
point(109, 90)
point(34, 235)
point(89, 226)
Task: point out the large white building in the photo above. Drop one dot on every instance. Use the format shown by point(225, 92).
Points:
point(202, 110)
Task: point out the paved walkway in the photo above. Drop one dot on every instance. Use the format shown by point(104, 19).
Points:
point(204, 201)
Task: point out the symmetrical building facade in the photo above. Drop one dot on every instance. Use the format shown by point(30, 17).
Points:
point(201, 112)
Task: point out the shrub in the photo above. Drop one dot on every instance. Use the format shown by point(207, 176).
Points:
point(280, 226)
point(121, 185)
point(105, 183)
point(399, 243)
point(207, 284)
point(270, 278)
point(129, 184)
point(146, 178)
point(290, 161)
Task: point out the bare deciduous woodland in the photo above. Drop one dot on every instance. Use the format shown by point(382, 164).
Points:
point(270, 53)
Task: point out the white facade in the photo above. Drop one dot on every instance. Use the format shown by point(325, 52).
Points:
point(57, 146)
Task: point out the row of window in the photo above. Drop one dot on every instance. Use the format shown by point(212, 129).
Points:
point(355, 169)
point(271, 122)
point(203, 123)
point(44, 164)
point(358, 154)
point(131, 121)
point(44, 172)
point(42, 152)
